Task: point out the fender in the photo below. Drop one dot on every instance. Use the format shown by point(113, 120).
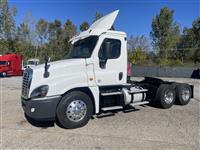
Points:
point(92, 91)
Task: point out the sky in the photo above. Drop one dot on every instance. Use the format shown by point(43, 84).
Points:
point(134, 18)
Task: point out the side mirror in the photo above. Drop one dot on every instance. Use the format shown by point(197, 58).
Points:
point(46, 67)
point(106, 51)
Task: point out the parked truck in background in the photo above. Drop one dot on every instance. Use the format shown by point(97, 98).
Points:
point(31, 63)
point(92, 80)
point(10, 65)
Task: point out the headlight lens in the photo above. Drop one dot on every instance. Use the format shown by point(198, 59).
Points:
point(40, 92)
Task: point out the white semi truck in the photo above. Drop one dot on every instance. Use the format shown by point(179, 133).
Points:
point(93, 79)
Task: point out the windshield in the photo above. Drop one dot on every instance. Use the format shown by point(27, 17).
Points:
point(32, 62)
point(83, 48)
point(3, 62)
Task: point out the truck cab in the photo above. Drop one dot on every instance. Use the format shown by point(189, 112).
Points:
point(32, 62)
point(10, 65)
point(4, 67)
point(92, 79)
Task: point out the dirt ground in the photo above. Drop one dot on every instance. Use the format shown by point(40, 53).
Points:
point(146, 128)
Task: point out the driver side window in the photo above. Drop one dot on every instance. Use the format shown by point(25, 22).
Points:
point(114, 49)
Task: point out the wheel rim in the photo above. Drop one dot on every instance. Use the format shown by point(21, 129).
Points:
point(169, 96)
point(4, 74)
point(76, 110)
point(185, 94)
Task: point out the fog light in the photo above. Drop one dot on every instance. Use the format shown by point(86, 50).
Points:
point(32, 109)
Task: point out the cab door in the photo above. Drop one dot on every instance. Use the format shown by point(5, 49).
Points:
point(111, 62)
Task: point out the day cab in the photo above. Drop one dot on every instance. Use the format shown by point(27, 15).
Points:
point(91, 80)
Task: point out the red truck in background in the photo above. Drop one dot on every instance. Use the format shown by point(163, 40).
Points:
point(10, 65)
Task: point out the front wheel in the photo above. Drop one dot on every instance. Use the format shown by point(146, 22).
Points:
point(4, 74)
point(74, 110)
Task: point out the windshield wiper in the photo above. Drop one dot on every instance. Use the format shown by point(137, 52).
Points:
point(77, 57)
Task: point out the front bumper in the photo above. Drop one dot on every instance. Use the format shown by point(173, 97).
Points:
point(41, 109)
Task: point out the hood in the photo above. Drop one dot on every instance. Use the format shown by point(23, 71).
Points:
point(57, 64)
point(59, 72)
point(98, 27)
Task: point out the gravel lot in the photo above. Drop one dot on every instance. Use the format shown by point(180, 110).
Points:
point(148, 128)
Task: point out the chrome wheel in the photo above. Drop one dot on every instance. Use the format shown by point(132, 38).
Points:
point(185, 94)
point(76, 110)
point(169, 96)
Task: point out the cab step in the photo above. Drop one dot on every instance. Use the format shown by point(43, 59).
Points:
point(111, 93)
point(137, 91)
point(111, 108)
point(139, 103)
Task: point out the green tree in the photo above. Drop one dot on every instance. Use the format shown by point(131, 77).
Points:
point(29, 20)
point(55, 39)
point(84, 26)
point(165, 33)
point(42, 30)
point(69, 29)
point(196, 30)
point(196, 46)
point(55, 30)
point(42, 36)
point(137, 56)
point(26, 37)
point(98, 15)
point(23, 32)
point(190, 42)
point(185, 47)
point(68, 32)
point(139, 42)
point(23, 38)
point(196, 56)
point(138, 47)
point(7, 25)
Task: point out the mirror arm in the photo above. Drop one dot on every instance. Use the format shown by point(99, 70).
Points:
point(46, 67)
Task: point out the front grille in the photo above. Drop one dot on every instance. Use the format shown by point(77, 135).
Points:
point(26, 82)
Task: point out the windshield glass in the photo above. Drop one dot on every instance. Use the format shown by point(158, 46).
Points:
point(31, 62)
point(83, 48)
point(3, 62)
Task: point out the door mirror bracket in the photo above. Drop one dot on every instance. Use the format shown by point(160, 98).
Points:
point(102, 63)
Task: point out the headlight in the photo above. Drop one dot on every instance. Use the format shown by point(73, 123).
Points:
point(40, 92)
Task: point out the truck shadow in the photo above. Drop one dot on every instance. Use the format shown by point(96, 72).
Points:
point(40, 124)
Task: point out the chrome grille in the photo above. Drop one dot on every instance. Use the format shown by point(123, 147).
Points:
point(26, 82)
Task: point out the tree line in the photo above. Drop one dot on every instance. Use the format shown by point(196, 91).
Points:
point(167, 46)
point(35, 40)
point(170, 45)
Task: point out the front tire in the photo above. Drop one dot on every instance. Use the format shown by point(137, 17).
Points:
point(165, 96)
point(74, 110)
point(4, 74)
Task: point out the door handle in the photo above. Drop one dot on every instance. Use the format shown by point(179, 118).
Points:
point(120, 75)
